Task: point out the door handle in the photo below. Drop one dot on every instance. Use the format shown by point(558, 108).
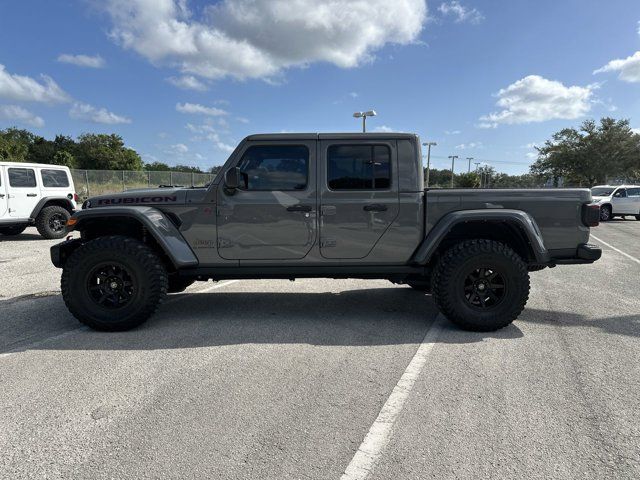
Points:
point(375, 207)
point(1, 195)
point(299, 208)
point(32, 194)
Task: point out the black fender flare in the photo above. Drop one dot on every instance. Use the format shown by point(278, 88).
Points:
point(157, 224)
point(56, 200)
point(518, 218)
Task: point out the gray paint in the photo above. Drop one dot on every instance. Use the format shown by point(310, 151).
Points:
point(253, 229)
point(518, 218)
point(156, 222)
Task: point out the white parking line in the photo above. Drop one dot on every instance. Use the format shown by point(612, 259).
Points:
point(379, 434)
point(634, 259)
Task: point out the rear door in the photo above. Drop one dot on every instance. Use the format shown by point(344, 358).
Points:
point(273, 215)
point(634, 197)
point(3, 194)
point(358, 195)
point(22, 191)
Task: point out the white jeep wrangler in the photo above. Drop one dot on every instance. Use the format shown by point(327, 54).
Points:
point(36, 194)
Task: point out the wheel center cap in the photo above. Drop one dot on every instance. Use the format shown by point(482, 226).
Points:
point(113, 285)
point(481, 286)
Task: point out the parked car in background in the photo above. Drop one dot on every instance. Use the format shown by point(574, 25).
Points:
point(36, 194)
point(617, 201)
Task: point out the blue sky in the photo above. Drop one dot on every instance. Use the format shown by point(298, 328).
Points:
point(184, 80)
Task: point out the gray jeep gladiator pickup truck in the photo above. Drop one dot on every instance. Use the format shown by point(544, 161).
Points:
point(322, 205)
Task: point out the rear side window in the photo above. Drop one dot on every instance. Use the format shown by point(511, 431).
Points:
point(275, 167)
point(54, 178)
point(22, 177)
point(359, 167)
point(633, 192)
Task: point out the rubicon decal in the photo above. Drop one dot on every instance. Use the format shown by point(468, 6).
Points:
point(134, 200)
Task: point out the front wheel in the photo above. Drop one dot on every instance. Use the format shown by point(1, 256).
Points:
point(606, 213)
point(481, 285)
point(113, 283)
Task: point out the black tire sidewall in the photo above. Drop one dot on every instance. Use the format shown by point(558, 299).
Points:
point(608, 209)
point(455, 266)
point(512, 293)
point(42, 221)
point(147, 292)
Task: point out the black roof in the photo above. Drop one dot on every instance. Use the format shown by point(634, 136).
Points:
point(332, 136)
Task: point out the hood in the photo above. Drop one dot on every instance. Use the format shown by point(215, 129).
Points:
point(149, 196)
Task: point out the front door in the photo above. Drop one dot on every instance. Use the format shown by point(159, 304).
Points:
point(359, 196)
point(3, 194)
point(22, 191)
point(272, 216)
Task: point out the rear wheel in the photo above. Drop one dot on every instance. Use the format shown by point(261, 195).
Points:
point(481, 285)
point(113, 283)
point(52, 222)
point(605, 213)
point(12, 230)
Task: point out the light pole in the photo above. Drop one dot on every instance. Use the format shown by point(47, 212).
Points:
point(453, 161)
point(469, 158)
point(428, 145)
point(364, 115)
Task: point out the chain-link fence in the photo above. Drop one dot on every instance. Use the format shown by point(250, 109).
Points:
point(89, 183)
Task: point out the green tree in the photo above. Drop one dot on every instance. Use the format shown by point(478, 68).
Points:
point(186, 169)
point(106, 152)
point(14, 145)
point(594, 153)
point(467, 180)
point(63, 157)
point(157, 167)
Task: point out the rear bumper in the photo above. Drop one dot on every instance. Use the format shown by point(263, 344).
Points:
point(585, 253)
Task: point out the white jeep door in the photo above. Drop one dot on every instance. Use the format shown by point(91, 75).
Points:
point(3, 195)
point(23, 192)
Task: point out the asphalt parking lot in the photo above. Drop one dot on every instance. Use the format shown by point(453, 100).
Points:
point(307, 379)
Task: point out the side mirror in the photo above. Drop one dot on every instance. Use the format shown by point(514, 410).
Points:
point(232, 179)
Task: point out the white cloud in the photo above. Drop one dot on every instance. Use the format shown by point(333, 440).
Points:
point(636, 131)
point(628, 68)
point(188, 82)
point(452, 132)
point(353, 94)
point(532, 155)
point(26, 89)
point(178, 148)
point(537, 99)
point(197, 109)
point(95, 61)
point(261, 38)
point(384, 129)
point(460, 13)
point(470, 146)
point(89, 113)
point(20, 115)
point(242, 120)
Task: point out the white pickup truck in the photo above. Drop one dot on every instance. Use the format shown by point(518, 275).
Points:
point(36, 194)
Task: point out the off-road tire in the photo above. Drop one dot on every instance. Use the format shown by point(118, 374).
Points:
point(606, 213)
point(148, 278)
point(12, 230)
point(454, 268)
point(179, 284)
point(49, 216)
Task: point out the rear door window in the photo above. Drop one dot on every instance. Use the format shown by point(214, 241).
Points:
point(359, 167)
point(633, 192)
point(22, 177)
point(54, 178)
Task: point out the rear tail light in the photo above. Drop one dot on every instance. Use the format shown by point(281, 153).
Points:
point(591, 214)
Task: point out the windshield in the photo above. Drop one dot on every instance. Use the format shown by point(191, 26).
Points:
point(602, 191)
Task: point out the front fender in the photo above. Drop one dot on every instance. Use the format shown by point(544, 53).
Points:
point(156, 223)
point(522, 220)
